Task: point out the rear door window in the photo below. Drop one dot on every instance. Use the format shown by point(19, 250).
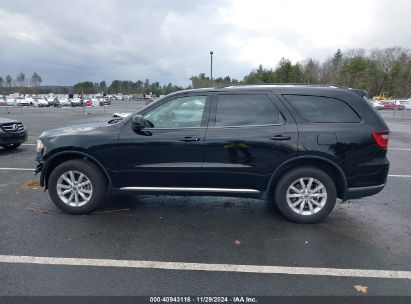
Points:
point(322, 109)
point(245, 110)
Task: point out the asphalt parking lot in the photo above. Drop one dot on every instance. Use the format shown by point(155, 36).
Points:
point(147, 245)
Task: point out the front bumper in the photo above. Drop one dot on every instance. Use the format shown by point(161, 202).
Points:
point(41, 167)
point(7, 138)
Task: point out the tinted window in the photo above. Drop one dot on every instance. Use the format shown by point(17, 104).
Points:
point(183, 112)
point(241, 110)
point(322, 109)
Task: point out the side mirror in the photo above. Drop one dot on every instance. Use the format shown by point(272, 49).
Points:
point(137, 122)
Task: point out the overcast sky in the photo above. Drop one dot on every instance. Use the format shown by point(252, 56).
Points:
point(168, 41)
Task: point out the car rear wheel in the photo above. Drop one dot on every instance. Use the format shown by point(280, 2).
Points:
point(77, 186)
point(305, 195)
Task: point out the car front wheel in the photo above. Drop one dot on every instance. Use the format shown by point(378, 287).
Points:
point(305, 195)
point(77, 186)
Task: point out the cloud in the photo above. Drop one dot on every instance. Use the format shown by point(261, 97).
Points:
point(169, 41)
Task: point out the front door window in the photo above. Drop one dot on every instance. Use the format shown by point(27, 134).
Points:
point(183, 112)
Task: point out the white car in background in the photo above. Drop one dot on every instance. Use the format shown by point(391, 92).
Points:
point(377, 105)
point(374, 103)
point(95, 102)
point(75, 102)
point(11, 102)
point(41, 102)
point(406, 103)
point(64, 102)
point(31, 101)
point(50, 101)
point(20, 101)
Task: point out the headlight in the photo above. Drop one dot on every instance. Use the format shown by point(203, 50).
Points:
point(40, 146)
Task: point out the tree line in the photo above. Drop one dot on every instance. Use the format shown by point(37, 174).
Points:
point(203, 81)
point(378, 71)
point(126, 87)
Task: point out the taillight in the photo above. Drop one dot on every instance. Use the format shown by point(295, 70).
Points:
point(381, 138)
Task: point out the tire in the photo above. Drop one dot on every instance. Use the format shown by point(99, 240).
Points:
point(88, 202)
point(286, 198)
point(11, 146)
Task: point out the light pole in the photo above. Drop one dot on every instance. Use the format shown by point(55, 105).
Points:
point(211, 68)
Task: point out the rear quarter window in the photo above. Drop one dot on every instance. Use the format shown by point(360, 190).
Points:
point(323, 109)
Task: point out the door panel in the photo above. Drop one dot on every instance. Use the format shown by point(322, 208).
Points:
point(161, 157)
point(246, 156)
point(168, 156)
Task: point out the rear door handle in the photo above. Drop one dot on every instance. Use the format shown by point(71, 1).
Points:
point(190, 138)
point(280, 137)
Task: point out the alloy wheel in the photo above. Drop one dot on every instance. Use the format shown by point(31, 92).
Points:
point(74, 188)
point(306, 196)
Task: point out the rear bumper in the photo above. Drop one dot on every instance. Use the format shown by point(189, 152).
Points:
point(358, 192)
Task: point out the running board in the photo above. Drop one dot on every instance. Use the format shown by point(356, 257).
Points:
point(178, 189)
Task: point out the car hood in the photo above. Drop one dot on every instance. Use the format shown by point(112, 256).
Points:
point(6, 120)
point(81, 129)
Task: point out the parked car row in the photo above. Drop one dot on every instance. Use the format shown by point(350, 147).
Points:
point(399, 104)
point(392, 105)
point(53, 102)
point(96, 102)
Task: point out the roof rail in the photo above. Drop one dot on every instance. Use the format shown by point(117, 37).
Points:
point(282, 84)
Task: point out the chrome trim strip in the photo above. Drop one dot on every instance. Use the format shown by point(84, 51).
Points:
point(218, 127)
point(195, 165)
point(148, 128)
point(178, 189)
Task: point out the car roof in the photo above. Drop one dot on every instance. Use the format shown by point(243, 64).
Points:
point(278, 88)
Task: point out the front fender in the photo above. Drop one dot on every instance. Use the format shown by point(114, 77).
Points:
point(44, 166)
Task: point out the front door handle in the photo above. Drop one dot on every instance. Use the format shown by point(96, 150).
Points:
point(190, 138)
point(280, 137)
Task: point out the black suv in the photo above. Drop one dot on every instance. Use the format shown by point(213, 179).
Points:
point(298, 146)
point(12, 133)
